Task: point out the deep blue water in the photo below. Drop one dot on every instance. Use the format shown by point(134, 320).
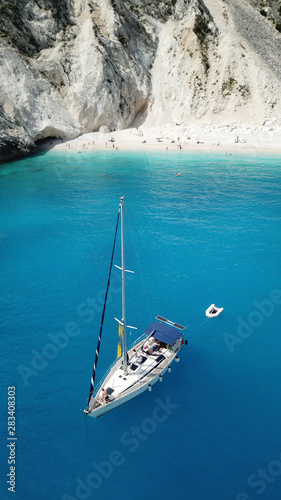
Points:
point(211, 430)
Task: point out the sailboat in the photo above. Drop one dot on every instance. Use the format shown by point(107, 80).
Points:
point(141, 365)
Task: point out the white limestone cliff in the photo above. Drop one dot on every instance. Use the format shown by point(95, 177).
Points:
point(242, 83)
point(72, 68)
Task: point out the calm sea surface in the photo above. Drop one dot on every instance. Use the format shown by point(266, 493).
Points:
point(211, 430)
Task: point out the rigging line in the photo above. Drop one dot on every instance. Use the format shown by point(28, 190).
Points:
point(81, 409)
point(103, 312)
point(138, 265)
point(198, 327)
point(148, 265)
point(138, 261)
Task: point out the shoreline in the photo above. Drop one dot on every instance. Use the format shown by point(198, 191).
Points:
point(172, 139)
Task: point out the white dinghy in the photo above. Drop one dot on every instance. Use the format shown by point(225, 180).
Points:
point(213, 311)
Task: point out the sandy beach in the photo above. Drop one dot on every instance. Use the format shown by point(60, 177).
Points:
point(175, 138)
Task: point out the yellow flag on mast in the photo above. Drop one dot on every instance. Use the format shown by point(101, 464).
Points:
point(119, 346)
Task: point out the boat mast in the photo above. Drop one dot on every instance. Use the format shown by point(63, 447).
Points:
point(124, 335)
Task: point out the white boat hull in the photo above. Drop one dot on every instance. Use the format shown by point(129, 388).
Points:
point(98, 407)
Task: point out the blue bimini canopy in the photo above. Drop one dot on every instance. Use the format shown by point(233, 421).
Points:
point(163, 333)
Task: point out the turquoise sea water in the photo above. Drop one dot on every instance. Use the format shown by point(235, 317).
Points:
point(211, 430)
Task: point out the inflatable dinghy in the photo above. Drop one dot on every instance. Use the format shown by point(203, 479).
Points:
point(213, 311)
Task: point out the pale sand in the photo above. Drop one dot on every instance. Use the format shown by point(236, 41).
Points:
point(175, 138)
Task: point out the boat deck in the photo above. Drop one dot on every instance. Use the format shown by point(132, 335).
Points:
point(120, 387)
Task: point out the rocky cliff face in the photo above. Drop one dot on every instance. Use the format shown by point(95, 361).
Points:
point(72, 66)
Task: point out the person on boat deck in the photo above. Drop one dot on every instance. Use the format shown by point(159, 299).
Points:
point(154, 348)
point(104, 395)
